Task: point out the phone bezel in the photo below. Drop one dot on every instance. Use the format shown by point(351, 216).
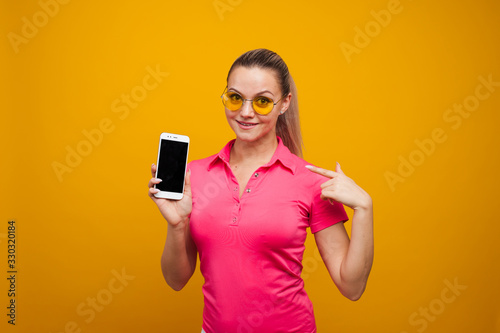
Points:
point(177, 138)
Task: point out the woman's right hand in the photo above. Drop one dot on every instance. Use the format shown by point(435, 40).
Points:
point(176, 212)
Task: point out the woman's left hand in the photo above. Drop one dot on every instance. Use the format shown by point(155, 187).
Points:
point(342, 189)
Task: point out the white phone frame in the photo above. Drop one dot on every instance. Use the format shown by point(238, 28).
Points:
point(177, 138)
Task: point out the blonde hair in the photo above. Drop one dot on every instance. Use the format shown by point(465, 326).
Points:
point(288, 124)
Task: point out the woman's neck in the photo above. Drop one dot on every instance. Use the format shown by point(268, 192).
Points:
point(261, 152)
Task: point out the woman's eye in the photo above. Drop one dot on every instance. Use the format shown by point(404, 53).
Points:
point(235, 97)
point(263, 100)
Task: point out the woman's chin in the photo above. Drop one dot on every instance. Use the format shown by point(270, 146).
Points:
point(254, 137)
point(246, 137)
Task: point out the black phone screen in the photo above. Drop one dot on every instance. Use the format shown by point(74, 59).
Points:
point(172, 165)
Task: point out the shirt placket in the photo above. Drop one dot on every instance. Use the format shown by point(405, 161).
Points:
point(235, 212)
point(251, 185)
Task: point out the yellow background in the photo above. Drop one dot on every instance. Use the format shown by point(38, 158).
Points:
point(365, 111)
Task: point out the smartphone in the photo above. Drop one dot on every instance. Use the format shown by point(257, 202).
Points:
point(171, 165)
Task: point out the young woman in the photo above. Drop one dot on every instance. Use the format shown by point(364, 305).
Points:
point(246, 211)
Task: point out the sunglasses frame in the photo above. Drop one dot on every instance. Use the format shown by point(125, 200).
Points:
point(243, 102)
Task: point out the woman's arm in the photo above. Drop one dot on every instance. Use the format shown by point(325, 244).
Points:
point(178, 260)
point(348, 261)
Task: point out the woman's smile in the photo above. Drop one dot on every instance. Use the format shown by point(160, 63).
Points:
point(246, 125)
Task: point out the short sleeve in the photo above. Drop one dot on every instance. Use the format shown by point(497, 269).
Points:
point(323, 213)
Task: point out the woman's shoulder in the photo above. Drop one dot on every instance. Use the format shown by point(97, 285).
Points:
point(207, 161)
point(202, 162)
point(302, 171)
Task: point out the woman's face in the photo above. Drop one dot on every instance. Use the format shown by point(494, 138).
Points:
point(249, 83)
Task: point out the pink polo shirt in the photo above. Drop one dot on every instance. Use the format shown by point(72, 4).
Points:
point(251, 247)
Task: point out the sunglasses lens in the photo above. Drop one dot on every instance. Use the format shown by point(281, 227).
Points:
point(232, 101)
point(262, 105)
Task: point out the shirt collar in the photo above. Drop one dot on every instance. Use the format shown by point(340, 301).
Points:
point(282, 154)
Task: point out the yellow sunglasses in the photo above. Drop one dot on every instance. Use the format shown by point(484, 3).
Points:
point(261, 104)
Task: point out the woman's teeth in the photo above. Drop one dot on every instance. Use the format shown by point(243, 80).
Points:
point(246, 124)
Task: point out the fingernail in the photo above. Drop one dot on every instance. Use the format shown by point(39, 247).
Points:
point(158, 179)
point(309, 166)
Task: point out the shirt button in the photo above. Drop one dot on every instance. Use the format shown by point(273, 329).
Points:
point(248, 190)
point(234, 219)
point(236, 188)
point(256, 174)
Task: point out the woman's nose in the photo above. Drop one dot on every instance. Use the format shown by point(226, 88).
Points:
point(247, 109)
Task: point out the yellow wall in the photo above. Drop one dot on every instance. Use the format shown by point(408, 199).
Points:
point(383, 102)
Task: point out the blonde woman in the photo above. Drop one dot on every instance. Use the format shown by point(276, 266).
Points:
point(246, 210)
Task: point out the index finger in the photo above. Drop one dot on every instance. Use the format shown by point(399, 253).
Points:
point(153, 170)
point(321, 171)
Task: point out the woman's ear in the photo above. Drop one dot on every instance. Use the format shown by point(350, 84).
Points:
point(286, 103)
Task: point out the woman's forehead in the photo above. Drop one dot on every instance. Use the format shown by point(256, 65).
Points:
point(253, 79)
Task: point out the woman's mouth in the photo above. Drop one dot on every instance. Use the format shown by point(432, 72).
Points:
point(246, 125)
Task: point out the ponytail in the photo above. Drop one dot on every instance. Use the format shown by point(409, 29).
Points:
point(288, 125)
